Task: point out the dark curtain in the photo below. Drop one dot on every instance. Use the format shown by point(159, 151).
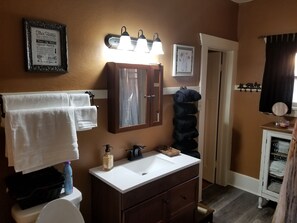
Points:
point(278, 78)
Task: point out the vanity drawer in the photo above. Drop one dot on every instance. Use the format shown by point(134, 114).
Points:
point(164, 184)
point(182, 197)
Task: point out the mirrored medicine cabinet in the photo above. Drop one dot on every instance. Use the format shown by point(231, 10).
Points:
point(134, 96)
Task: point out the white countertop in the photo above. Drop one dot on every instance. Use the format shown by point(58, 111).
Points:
point(124, 180)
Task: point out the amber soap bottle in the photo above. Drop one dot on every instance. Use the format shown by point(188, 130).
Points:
point(107, 159)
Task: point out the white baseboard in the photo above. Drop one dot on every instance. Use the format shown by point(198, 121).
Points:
point(244, 182)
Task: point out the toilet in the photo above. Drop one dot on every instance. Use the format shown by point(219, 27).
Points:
point(60, 211)
point(30, 215)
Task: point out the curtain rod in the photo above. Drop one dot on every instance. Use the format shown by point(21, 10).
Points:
point(265, 36)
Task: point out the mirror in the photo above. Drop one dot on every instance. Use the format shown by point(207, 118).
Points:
point(134, 96)
point(280, 109)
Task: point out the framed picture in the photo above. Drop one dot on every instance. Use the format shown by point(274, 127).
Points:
point(45, 46)
point(183, 60)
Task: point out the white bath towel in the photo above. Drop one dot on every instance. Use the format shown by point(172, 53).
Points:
point(34, 101)
point(85, 117)
point(79, 100)
point(37, 138)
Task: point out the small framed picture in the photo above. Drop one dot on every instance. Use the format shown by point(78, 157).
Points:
point(45, 46)
point(183, 60)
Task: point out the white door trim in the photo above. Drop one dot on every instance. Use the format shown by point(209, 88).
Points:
point(229, 48)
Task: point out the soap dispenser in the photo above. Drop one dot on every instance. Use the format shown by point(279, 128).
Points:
point(107, 158)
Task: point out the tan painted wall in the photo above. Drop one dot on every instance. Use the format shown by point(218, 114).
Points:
point(257, 18)
point(87, 24)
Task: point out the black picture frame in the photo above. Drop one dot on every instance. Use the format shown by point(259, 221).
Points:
point(45, 46)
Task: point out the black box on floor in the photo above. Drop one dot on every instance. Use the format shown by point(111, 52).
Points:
point(35, 188)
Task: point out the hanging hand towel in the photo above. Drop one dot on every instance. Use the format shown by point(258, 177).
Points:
point(34, 101)
point(79, 100)
point(85, 117)
point(37, 138)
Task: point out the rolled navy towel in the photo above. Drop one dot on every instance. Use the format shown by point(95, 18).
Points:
point(193, 153)
point(186, 95)
point(186, 145)
point(185, 123)
point(182, 109)
point(186, 135)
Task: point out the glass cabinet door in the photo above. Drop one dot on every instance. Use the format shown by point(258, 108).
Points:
point(276, 158)
point(132, 97)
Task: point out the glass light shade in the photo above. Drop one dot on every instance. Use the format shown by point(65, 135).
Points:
point(141, 46)
point(125, 43)
point(157, 48)
point(125, 40)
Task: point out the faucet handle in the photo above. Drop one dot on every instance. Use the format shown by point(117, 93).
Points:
point(135, 152)
point(138, 147)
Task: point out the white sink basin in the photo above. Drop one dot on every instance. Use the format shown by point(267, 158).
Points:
point(147, 165)
point(128, 175)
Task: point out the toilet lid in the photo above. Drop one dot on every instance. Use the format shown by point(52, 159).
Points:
point(60, 211)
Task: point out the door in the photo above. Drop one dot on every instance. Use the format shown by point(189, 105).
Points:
point(212, 115)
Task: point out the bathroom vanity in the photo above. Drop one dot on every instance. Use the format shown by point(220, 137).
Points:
point(156, 188)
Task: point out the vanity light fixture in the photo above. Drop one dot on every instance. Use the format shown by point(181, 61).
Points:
point(140, 44)
point(157, 47)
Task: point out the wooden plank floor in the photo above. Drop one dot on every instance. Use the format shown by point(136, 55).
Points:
point(233, 205)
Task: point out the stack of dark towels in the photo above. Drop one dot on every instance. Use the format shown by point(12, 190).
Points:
point(185, 121)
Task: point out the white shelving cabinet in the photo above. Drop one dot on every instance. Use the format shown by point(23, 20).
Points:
point(275, 147)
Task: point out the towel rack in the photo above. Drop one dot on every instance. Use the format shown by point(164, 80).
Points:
point(2, 106)
point(92, 98)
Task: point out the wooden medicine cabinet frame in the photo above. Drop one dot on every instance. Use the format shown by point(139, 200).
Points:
point(149, 95)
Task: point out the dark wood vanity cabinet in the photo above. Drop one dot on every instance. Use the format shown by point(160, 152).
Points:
point(135, 93)
point(172, 198)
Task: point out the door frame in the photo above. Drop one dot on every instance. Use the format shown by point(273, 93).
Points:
point(229, 69)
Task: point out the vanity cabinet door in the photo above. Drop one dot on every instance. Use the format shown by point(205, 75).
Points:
point(150, 211)
point(182, 201)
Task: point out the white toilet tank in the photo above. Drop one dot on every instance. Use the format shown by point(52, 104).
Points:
point(30, 215)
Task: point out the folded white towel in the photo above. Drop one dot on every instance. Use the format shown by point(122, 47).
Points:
point(31, 101)
point(79, 99)
point(37, 138)
point(85, 117)
point(277, 167)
